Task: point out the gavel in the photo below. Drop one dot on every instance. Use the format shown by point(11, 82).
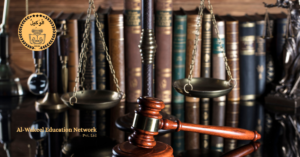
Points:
point(148, 120)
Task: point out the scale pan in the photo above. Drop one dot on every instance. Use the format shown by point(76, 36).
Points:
point(203, 87)
point(93, 99)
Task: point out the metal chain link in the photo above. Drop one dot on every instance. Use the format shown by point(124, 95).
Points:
point(108, 58)
point(84, 49)
point(220, 43)
point(199, 22)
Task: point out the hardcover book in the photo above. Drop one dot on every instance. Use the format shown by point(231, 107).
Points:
point(163, 61)
point(116, 51)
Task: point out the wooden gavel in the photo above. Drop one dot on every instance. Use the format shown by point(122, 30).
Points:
point(147, 121)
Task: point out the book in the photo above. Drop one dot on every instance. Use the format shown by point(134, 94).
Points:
point(178, 72)
point(260, 56)
point(116, 51)
point(179, 51)
point(88, 118)
point(280, 22)
point(218, 72)
point(269, 51)
point(247, 58)
point(191, 110)
point(178, 137)
point(72, 25)
point(232, 54)
point(191, 115)
point(247, 118)
point(102, 70)
point(163, 61)
point(218, 119)
point(218, 65)
point(206, 73)
point(232, 120)
point(133, 64)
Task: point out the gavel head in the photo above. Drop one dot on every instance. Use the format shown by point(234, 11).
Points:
point(146, 122)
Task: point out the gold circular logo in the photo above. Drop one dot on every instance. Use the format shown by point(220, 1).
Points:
point(37, 31)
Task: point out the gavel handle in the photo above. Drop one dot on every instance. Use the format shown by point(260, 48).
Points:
point(222, 131)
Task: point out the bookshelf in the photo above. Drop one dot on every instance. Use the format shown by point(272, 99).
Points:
point(21, 58)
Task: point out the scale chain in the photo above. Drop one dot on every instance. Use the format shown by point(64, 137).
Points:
point(199, 22)
point(84, 49)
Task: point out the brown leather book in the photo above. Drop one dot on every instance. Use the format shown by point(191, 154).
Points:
point(72, 26)
point(191, 115)
point(163, 63)
point(232, 54)
point(116, 51)
point(218, 119)
point(192, 104)
point(133, 66)
point(232, 120)
point(205, 72)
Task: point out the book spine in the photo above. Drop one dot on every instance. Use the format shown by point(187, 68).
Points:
point(101, 71)
point(232, 54)
point(192, 140)
point(178, 137)
point(116, 51)
point(87, 120)
point(247, 60)
point(191, 109)
point(260, 57)
point(218, 66)
point(246, 118)
point(269, 58)
point(73, 114)
point(163, 62)
point(280, 32)
point(218, 72)
point(218, 119)
point(179, 53)
point(232, 120)
point(133, 62)
point(205, 72)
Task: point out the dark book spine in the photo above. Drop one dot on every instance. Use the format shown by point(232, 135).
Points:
point(179, 53)
point(246, 118)
point(178, 137)
point(163, 56)
point(269, 58)
point(280, 32)
point(218, 119)
point(116, 51)
point(87, 120)
point(101, 71)
point(205, 72)
point(132, 53)
point(232, 120)
point(191, 115)
point(232, 53)
point(247, 60)
point(260, 57)
point(191, 110)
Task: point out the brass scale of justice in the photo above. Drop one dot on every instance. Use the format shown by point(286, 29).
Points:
point(102, 99)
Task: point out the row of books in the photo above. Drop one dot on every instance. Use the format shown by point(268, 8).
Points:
point(249, 56)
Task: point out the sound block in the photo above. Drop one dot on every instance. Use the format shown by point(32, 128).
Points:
point(126, 149)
